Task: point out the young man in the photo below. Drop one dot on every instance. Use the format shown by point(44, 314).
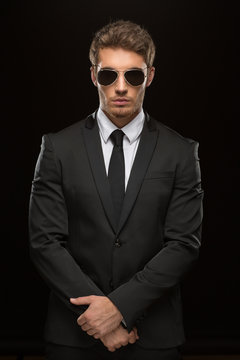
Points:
point(115, 215)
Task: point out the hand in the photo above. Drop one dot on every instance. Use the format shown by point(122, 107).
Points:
point(119, 337)
point(101, 317)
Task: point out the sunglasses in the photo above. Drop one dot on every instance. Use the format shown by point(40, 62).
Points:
point(133, 77)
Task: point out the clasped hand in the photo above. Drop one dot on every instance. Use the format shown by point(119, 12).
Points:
point(102, 321)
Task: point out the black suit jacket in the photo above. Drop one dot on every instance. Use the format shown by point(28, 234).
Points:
point(139, 262)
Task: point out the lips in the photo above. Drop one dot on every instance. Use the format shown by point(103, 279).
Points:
point(120, 101)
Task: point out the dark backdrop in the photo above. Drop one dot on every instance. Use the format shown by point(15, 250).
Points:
point(47, 87)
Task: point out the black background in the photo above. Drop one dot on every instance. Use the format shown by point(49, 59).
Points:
point(47, 87)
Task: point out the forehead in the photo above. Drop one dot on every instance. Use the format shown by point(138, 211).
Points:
point(120, 59)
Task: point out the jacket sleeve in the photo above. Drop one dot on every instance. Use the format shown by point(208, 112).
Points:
point(48, 232)
point(182, 234)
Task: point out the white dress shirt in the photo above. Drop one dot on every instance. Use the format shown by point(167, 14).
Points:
point(132, 132)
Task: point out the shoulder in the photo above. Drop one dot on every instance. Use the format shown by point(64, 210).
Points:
point(172, 134)
point(70, 132)
point(172, 139)
point(67, 137)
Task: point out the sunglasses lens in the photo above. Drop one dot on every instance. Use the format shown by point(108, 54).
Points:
point(135, 77)
point(106, 77)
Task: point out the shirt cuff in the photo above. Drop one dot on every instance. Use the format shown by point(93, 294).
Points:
point(123, 322)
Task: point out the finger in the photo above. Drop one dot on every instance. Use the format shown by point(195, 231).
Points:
point(135, 332)
point(132, 338)
point(112, 349)
point(83, 300)
point(93, 333)
point(86, 327)
point(81, 320)
point(132, 334)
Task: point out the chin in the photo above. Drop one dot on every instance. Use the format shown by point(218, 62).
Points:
point(122, 113)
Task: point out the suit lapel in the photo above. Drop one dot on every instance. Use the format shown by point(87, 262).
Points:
point(142, 159)
point(95, 154)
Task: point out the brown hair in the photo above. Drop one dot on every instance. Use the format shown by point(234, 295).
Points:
point(126, 35)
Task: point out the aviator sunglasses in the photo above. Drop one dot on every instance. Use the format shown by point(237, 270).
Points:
point(133, 77)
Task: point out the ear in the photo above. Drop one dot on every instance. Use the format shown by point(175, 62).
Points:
point(93, 75)
point(151, 73)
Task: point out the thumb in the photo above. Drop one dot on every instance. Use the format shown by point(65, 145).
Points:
point(83, 300)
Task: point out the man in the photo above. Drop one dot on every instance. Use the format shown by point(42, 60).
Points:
point(115, 215)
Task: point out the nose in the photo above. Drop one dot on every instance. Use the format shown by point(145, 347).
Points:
point(121, 85)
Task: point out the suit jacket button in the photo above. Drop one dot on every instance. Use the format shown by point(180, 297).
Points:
point(118, 243)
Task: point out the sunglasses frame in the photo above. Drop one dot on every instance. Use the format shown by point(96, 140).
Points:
point(124, 72)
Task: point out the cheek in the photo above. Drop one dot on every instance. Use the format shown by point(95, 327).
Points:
point(104, 94)
point(140, 94)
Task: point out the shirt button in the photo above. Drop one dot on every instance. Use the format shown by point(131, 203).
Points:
point(118, 243)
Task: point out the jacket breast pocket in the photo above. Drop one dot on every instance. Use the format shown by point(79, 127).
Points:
point(156, 192)
point(159, 175)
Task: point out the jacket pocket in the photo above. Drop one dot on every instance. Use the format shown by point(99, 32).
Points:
point(159, 175)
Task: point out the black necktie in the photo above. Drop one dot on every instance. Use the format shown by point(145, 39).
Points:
point(116, 172)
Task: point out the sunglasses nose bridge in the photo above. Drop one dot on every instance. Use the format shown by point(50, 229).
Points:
point(121, 82)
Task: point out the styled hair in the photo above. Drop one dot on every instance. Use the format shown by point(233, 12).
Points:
point(126, 35)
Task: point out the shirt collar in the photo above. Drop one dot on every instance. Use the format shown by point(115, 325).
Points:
point(132, 130)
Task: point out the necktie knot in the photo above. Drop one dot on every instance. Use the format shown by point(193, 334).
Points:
point(117, 137)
